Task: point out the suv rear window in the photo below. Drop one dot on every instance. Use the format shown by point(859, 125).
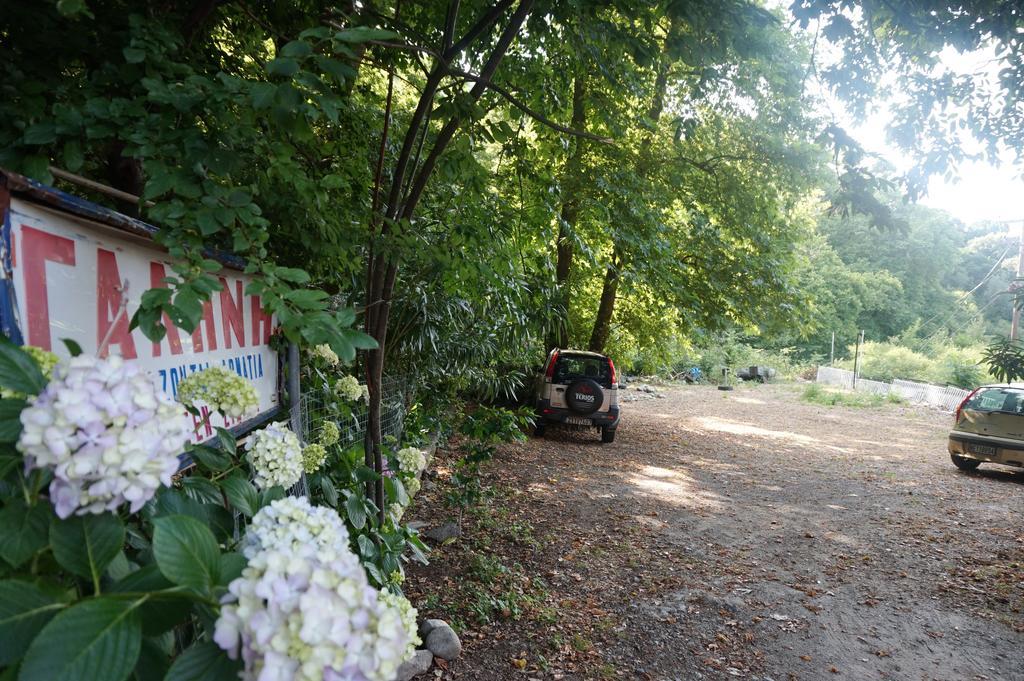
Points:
point(1009, 400)
point(571, 367)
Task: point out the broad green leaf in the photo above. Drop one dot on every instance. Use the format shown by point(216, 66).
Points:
point(361, 34)
point(203, 662)
point(283, 66)
point(158, 614)
point(10, 423)
point(153, 662)
point(356, 511)
point(201, 489)
point(95, 640)
point(24, 610)
point(74, 349)
point(133, 55)
point(23, 530)
point(18, 371)
point(395, 491)
point(86, 544)
point(329, 491)
point(227, 441)
point(241, 493)
point(186, 551)
point(211, 458)
point(231, 566)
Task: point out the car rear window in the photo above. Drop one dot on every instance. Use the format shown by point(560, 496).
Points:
point(997, 399)
point(571, 367)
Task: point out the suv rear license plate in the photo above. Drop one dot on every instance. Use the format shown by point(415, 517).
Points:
point(577, 421)
point(984, 450)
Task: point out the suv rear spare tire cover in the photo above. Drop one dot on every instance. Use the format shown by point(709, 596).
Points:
point(584, 396)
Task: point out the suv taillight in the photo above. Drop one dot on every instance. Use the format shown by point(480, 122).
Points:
point(550, 373)
point(611, 367)
point(956, 416)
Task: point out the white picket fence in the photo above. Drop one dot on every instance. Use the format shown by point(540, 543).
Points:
point(947, 398)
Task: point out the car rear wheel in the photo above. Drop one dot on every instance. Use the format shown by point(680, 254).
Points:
point(607, 434)
point(963, 463)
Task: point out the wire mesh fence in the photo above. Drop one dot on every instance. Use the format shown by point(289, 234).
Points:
point(943, 397)
point(397, 393)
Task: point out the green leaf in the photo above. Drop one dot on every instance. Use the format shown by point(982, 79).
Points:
point(186, 551)
point(41, 133)
point(241, 493)
point(367, 548)
point(297, 49)
point(306, 298)
point(231, 566)
point(292, 274)
point(361, 34)
point(95, 640)
point(158, 615)
point(211, 458)
point(227, 441)
point(263, 95)
point(74, 349)
point(133, 55)
point(208, 223)
point(204, 662)
point(239, 198)
point(10, 421)
point(395, 491)
point(271, 495)
point(283, 66)
point(86, 544)
point(356, 511)
point(24, 610)
point(201, 489)
point(329, 491)
point(23, 530)
point(18, 371)
point(73, 157)
point(153, 662)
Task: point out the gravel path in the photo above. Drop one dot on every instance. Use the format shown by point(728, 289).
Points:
point(747, 534)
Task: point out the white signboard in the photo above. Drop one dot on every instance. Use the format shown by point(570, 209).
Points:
point(72, 276)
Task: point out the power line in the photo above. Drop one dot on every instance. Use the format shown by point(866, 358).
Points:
point(969, 293)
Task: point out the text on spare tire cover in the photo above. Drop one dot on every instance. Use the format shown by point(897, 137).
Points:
point(584, 397)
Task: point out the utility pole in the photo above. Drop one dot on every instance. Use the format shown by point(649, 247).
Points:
point(1015, 323)
point(856, 358)
point(832, 351)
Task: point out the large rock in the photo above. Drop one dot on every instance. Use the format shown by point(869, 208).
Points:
point(426, 626)
point(419, 664)
point(445, 532)
point(443, 642)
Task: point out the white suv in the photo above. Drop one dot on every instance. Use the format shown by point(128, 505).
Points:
point(578, 388)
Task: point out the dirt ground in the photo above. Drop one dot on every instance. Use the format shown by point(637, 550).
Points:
point(734, 534)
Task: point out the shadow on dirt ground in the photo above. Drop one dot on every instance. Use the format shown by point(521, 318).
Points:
point(742, 534)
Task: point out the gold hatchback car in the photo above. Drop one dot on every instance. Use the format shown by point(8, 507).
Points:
point(989, 428)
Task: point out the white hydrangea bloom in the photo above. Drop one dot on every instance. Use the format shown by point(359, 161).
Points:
point(349, 389)
point(220, 389)
point(396, 511)
point(329, 433)
point(106, 432)
point(325, 353)
point(411, 460)
point(313, 457)
point(364, 393)
point(303, 608)
point(276, 456)
point(412, 486)
point(408, 616)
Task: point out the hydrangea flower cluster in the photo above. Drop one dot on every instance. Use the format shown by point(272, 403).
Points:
point(44, 359)
point(107, 434)
point(349, 389)
point(324, 352)
point(313, 456)
point(220, 389)
point(276, 456)
point(303, 609)
point(407, 613)
point(411, 460)
point(329, 433)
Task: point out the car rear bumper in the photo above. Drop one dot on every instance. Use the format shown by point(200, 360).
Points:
point(985, 448)
point(603, 419)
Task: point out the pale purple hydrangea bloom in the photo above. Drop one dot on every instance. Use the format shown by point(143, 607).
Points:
point(303, 608)
point(106, 432)
point(276, 456)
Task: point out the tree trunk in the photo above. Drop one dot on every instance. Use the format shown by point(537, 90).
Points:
point(606, 308)
point(572, 182)
point(603, 322)
point(382, 267)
